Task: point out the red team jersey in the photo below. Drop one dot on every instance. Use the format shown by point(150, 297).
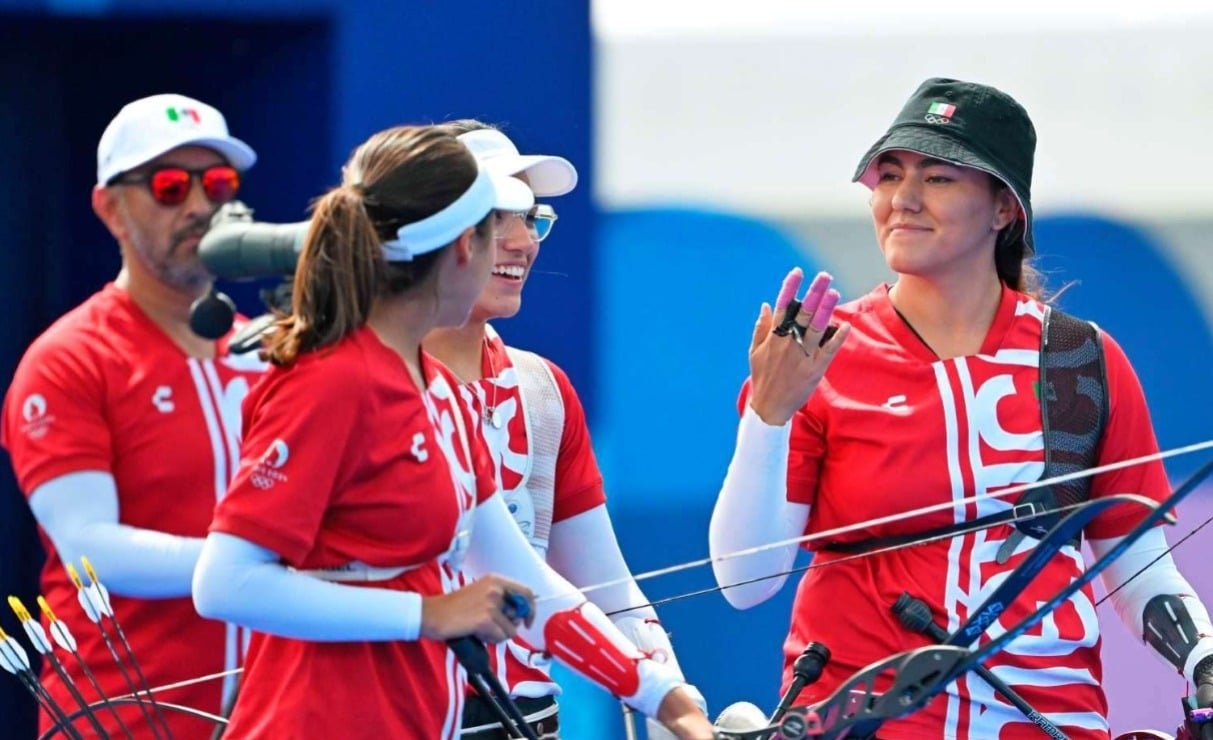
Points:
point(578, 483)
point(347, 462)
point(105, 389)
point(893, 428)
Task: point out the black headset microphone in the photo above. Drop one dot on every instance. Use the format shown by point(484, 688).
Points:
point(237, 248)
point(212, 315)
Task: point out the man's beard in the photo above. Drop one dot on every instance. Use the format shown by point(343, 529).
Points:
point(185, 274)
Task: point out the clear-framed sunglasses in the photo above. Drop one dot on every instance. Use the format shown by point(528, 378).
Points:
point(538, 220)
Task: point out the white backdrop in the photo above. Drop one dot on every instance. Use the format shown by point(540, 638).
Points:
point(766, 106)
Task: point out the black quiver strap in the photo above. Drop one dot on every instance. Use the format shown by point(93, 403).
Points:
point(1073, 394)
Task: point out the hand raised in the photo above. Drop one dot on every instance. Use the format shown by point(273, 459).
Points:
point(788, 359)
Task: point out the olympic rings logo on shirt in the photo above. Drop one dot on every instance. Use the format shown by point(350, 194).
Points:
point(265, 477)
point(932, 118)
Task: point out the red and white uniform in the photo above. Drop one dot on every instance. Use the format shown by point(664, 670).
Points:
point(105, 389)
point(347, 462)
point(575, 487)
point(893, 428)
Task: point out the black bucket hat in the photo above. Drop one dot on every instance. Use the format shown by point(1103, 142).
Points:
point(970, 124)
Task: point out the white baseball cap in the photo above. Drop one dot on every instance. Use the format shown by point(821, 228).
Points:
point(512, 193)
point(151, 126)
point(548, 175)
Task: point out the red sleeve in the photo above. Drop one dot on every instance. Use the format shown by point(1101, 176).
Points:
point(293, 455)
point(578, 479)
point(806, 449)
point(1129, 434)
point(55, 413)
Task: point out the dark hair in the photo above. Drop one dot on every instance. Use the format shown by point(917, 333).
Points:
point(1011, 253)
point(396, 177)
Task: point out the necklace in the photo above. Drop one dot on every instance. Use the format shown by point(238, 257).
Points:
point(492, 414)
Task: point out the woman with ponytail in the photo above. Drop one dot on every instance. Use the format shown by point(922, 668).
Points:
point(363, 528)
point(930, 391)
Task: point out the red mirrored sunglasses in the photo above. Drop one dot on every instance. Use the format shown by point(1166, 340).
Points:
point(170, 186)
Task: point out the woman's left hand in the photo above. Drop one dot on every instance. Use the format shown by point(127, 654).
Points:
point(786, 366)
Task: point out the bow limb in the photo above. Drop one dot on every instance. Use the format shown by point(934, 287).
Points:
point(988, 612)
point(921, 675)
point(856, 707)
point(1062, 533)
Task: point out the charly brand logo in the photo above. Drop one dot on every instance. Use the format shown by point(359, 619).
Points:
point(895, 403)
point(940, 113)
point(418, 449)
point(37, 421)
point(162, 399)
point(268, 470)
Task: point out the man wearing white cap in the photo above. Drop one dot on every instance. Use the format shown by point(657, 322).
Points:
point(536, 430)
point(123, 425)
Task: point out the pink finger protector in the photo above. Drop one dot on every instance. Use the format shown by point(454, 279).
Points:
point(811, 304)
point(825, 309)
point(817, 291)
point(787, 292)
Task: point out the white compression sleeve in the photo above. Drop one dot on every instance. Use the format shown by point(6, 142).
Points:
point(583, 549)
point(1161, 578)
point(753, 510)
point(246, 584)
point(79, 513)
point(498, 546)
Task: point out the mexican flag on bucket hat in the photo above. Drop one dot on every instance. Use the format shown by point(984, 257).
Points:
point(969, 124)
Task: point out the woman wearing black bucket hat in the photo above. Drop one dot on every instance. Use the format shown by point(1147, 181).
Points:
point(928, 393)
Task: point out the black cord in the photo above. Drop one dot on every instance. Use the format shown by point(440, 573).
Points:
point(1155, 560)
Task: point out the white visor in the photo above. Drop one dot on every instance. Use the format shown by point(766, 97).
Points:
point(488, 192)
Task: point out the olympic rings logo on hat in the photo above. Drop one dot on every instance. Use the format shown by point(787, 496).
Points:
point(932, 118)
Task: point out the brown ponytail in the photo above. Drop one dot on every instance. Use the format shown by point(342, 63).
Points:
point(334, 280)
point(397, 177)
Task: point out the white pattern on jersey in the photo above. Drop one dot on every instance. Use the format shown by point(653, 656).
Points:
point(969, 555)
point(221, 410)
point(532, 501)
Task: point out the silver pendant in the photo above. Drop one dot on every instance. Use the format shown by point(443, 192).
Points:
point(494, 418)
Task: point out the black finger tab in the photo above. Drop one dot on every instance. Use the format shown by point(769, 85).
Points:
point(789, 325)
